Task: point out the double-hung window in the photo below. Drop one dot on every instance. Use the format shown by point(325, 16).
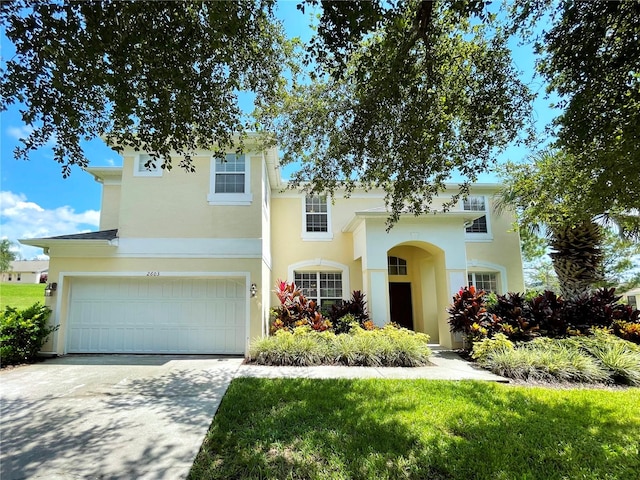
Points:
point(316, 221)
point(325, 288)
point(479, 229)
point(230, 180)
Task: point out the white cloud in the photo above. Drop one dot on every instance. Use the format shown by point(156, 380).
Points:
point(23, 131)
point(23, 219)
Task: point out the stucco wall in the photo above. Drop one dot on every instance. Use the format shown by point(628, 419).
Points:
point(110, 209)
point(175, 205)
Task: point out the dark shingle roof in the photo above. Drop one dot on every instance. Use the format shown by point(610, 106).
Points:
point(101, 235)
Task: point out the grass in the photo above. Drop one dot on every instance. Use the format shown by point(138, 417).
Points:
point(388, 429)
point(20, 295)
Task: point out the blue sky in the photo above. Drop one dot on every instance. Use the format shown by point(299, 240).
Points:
point(35, 200)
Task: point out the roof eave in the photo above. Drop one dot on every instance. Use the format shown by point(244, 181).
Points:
point(49, 242)
point(359, 217)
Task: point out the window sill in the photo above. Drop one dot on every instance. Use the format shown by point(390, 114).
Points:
point(317, 236)
point(478, 237)
point(242, 199)
point(149, 173)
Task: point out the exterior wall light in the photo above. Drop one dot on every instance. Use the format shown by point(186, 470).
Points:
point(253, 290)
point(50, 289)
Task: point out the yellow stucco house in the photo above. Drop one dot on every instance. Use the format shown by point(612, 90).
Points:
point(186, 262)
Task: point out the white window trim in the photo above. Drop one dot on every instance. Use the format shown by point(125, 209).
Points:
point(321, 265)
point(231, 198)
point(316, 236)
point(143, 157)
point(477, 236)
point(479, 266)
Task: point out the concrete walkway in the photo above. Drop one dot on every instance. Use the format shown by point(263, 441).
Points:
point(139, 416)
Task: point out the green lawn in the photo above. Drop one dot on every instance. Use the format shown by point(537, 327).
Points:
point(342, 429)
point(21, 296)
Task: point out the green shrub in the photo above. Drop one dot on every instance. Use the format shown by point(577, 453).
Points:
point(550, 362)
point(344, 324)
point(23, 332)
point(621, 358)
point(600, 357)
point(389, 346)
point(286, 347)
point(488, 346)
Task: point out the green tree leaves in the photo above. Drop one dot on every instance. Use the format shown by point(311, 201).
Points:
point(591, 58)
point(6, 255)
point(156, 76)
point(416, 102)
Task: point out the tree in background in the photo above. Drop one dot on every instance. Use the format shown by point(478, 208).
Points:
point(552, 198)
point(620, 261)
point(6, 255)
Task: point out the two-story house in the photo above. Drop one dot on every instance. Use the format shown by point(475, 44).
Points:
point(186, 262)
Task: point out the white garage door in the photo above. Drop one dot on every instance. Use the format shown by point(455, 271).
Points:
point(157, 315)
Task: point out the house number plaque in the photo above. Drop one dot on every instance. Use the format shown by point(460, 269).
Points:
point(153, 274)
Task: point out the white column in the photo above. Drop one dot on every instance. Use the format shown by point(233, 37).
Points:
point(378, 297)
point(457, 280)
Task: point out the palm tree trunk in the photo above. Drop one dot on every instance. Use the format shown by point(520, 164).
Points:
point(576, 256)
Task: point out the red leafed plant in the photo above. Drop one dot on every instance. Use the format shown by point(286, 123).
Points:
point(468, 314)
point(296, 310)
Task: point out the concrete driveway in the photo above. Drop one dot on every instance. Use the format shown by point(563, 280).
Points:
point(115, 416)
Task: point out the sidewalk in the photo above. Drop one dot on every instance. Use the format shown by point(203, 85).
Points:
point(447, 365)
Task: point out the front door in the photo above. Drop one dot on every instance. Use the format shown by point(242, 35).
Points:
point(400, 304)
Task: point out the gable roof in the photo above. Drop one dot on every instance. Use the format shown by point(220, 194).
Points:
point(30, 266)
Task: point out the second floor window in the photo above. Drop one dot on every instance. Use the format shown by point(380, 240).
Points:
point(230, 174)
point(144, 166)
point(476, 204)
point(230, 182)
point(316, 215)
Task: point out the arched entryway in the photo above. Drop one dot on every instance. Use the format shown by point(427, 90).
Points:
point(417, 287)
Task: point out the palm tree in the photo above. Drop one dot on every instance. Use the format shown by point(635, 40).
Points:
point(549, 196)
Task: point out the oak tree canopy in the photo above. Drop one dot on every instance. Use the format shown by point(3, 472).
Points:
point(395, 94)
